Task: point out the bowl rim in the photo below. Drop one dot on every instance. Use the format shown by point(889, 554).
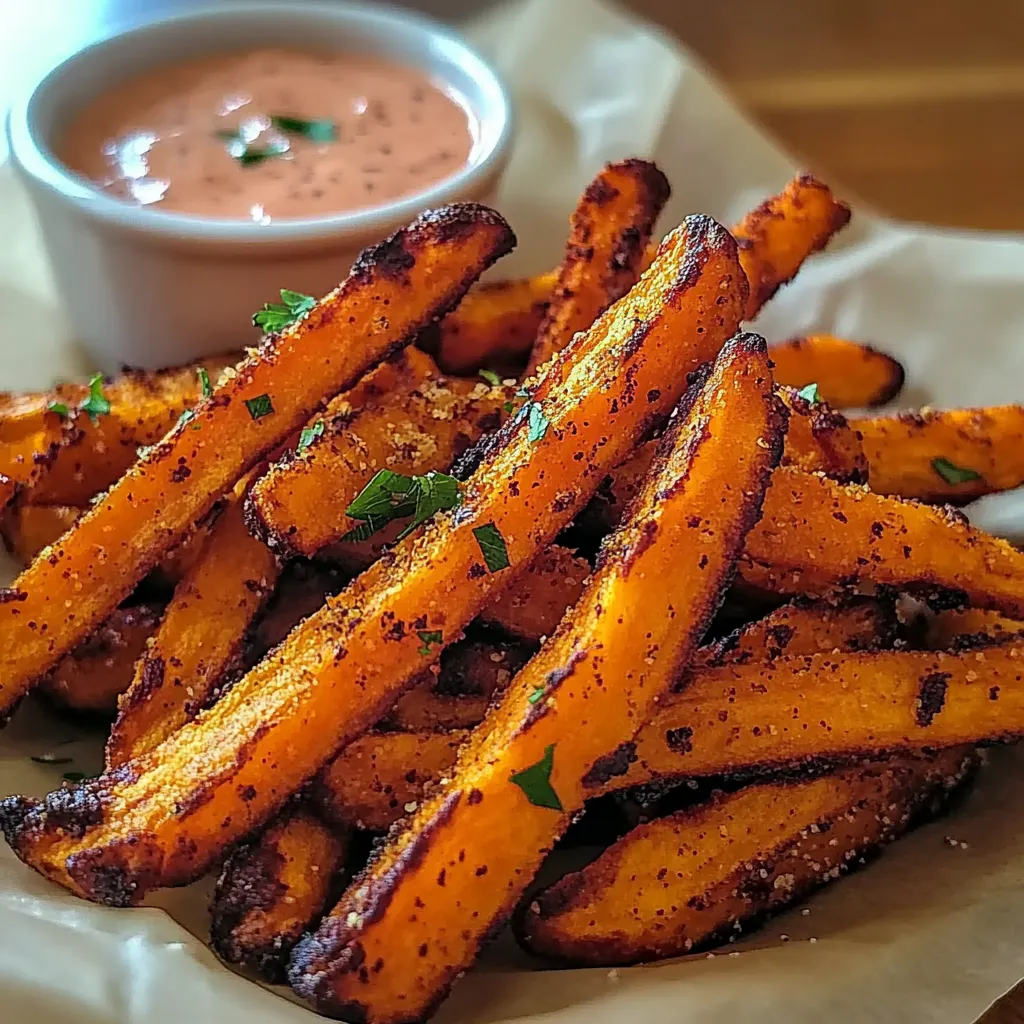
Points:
point(32, 157)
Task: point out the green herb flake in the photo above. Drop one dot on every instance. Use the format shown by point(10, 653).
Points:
point(537, 422)
point(259, 407)
point(76, 776)
point(315, 131)
point(428, 637)
point(204, 382)
point(309, 435)
point(509, 407)
point(536, 695)
point(50, 759)
point(187, 417)
point(810, 394)
point(389, 497)
point(535, 781)
point(248, 154)
point(60, 408)
point(491, 377)
point(96, 404)
point(952, 473)
point(492, 546)
point(276, 316)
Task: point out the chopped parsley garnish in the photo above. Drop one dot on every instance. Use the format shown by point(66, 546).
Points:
point(60, 408)
point(51, 759)
point(76, 776)
point(248, 154)
point(536, 695)
point(259, 406)
point(810, 394)
point(538, 423)
point(491, 377)
point(492, 546)
point(952, 473)
point(509, 407)
point(535, 781)
point(276, 316)
point(428, 637)
point(309, 435)
point(315, 131)
point(204, 382)
point(96, 404)
point(392, 496)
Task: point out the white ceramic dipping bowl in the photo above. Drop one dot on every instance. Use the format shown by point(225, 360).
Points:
point(150, 289)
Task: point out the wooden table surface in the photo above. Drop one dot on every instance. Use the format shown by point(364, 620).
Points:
point(914, 106)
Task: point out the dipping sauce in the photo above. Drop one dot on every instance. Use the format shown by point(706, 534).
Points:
point(270, 134)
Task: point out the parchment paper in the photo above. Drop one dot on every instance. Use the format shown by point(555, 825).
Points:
point(932, 932)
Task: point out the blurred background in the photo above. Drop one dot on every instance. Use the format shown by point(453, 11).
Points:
point(915, 106)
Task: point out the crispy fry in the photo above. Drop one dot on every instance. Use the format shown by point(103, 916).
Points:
point(848, 375)
point(422, 424)
point(27, 529)
point(273, 888)
point(818, 537)
point(30, 438)
point(821, 710)
point(302, 589)
point(345, 666)
point(97, 672)
point(444, 884)
point(144, 406)
point(608, 235)
point(777, 236)
point(691, 880)
point(950, 626)
point(199, 649)
point(493, 327)
point(954, 455)
point(74, 585)
point(472, 674)
point(534, 605)
point(376, 780)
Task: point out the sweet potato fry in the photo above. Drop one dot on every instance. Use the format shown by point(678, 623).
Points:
point(848, 375)
point(144, 406)
point(27, 529)
point(950, 626)
point(777, 236)
point(470, 676)
point(818, 537)
point(30, 438)
point(692, 880)
point(167, 816)
point(376, 780)
point(74, 585)
point(822, 710)
point(97, 672)
point(302, 589)
point(608, 235)
point(298, 507)
point(199, 649)
point(954, 455)
point(273, 888)
point(493, 327)
point(532, 607)
point(443, 884)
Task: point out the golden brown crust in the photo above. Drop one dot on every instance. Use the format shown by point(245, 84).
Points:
point(605, 255)
point(97, 672)
point(273, 888)
point(696, 878)
point(848, 375)
point(71, 587)
point(875, 703)
point(27, 529)
point(821, 440)
point(818, 537)
point(31, 436)
point(422, 909)
point(775, 238)
point(163, 820)
point(198, 651)
point(952, 626)
point(953, 455)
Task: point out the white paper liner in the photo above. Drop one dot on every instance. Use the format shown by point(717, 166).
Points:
point(931, 933)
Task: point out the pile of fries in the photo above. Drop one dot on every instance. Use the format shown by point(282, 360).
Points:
point(460, 563)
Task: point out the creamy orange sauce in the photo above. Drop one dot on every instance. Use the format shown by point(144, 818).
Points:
point(229, 135)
